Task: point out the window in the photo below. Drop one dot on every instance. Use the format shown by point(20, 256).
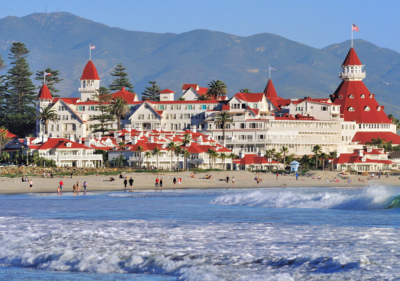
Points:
point(242, 126)
point(367, 108)
point(351, 108)
point(189, 107)
point(351, 96)
point(92, 107)
point(161, 107)
point(58, 128)
point(362, 96)
point(204, 107)
point(324, 108)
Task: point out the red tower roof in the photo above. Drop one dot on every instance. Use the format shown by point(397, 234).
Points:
point(124, 94)
point(90, 72)
point(167, 91)
point(269, 90)
point(357, 103)
point(352, 58)
point(44, 93)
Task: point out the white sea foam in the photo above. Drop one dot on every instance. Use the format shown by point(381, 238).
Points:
point(372, 197)
point(201, 251)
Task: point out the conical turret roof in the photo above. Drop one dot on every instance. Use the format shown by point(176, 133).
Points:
point(90, 72)
point(44, 93)
point(352, 58)
point(269, 90)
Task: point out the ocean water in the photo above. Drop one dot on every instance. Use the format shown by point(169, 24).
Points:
point(263, 234)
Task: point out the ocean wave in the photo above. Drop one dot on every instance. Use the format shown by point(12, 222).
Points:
point(370, 198)
point(239, 251)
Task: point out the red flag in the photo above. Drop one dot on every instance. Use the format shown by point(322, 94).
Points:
point(92, 47)
point(356, 28)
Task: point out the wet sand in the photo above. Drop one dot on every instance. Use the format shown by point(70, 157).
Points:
point(146, 181)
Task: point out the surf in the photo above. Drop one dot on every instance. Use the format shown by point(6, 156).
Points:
point(376, 197)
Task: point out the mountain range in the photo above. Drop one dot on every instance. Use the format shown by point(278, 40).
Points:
point(61, 41)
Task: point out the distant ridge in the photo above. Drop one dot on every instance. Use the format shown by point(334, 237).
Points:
point(61, 40)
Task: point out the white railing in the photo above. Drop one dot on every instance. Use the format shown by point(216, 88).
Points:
point(360, 75)
point(73, 157)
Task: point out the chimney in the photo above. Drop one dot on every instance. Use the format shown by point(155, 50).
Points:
point(241, 154)
point(361, 152)
point(87, 141)
point(369, 149)
point(200, 140)
point(260, 152)
point(71, 138)
point(80, 140)
point(151, 139)
point(193, 128)
point(98, 136)
point(26, 141)
point(44, 138)
point(134, 140)
point(127, 136)
point(115, 134)
point(128, 127)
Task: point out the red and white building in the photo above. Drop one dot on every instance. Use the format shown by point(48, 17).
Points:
point(345, 121)
point(255, 162)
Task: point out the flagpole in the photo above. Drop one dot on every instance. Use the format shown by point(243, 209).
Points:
point(44, 77)
point(352, 34)
point(269, 69)
point(90, 51)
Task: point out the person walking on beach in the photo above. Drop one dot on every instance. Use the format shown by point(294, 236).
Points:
point(58, 190)
point(297, 176)
point(277, 176)
point(179, 181)
point(74, 189)
point(78, 186)
point(227, 180)
point(84, 187)
point(233, 181)
point(125, 182)
point(131, 183)
point(161, 182)
point(61, 184)
point(174, 181)
point(157, 183)
point(30, 184)
point(71, 175)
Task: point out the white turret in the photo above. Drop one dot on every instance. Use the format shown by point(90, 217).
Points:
point(90, 82)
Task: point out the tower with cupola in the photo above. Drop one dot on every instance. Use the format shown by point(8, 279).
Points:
point(44, 100)
point(90, 82)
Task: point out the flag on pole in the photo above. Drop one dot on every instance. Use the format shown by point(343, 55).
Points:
point(270, 68)
point(356, 28)
point(47, 74)
point(92, 47)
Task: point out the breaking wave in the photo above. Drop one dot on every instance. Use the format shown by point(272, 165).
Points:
point(370, 198)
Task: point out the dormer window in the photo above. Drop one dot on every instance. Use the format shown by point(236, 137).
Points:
point(367, 108)
point(362, 96)
point(379, 108)
point(340, 97)
point(371, 96)
point(351, 108)
point(351, 96)
point(68, 144)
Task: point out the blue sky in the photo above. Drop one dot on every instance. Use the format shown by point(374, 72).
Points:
point(314, 23)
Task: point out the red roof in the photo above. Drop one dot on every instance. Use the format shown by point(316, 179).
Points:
point(364, 137)
point(269, 90)
point(166, 91)
point(8, 134)
point(357, 103)
point(44, 93)
point(251, 159)
point(124, 94)
point(60, 143)
point(255, 111)
point(226, 107)
point(187, 86)
point(202, 90)
point(67, 100)
point(352, 58)
point(346, 158)
point(250, 97)
point(90, 72)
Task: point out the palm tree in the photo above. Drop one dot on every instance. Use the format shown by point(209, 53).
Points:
point(316, 150)
point(156, 152)
point(221, 120)
point(216, 89)
point(203, 97)
point(119, 107)
point(269, 154)
point(148, 155)
point(45, 116)
point(245, 91)
point(333, 155)
point(323, 157)
point(186, 139)
point(305, 160)
point(178, 150)
point(284, 151)
point(214, 156)
point(223, 157)
point(171, 148)
point(139, 150)
point(186, 155)
point(210, 153)
point(278, 156)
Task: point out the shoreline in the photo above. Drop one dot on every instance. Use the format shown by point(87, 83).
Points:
point(145, 182)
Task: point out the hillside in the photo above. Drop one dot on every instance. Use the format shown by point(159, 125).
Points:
point(61, 40)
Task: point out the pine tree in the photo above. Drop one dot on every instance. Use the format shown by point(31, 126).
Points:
point(21, 94)
point(50, 80)
point(2, 92)
point(105, 119)
point(121, 80)
point(152, 92)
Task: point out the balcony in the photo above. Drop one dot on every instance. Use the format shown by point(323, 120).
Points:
point(355, 76)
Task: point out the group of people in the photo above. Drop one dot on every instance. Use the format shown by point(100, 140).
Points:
point(48, 175)
point(76, 188)
point(159, 184)
point(130, 181)
point(227, 180)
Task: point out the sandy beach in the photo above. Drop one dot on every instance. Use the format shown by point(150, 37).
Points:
point(146, 181)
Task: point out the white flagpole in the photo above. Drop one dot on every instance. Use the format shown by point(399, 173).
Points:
point(90, 51)
point(352, 34)
point(44, 77)
point(269, 69)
